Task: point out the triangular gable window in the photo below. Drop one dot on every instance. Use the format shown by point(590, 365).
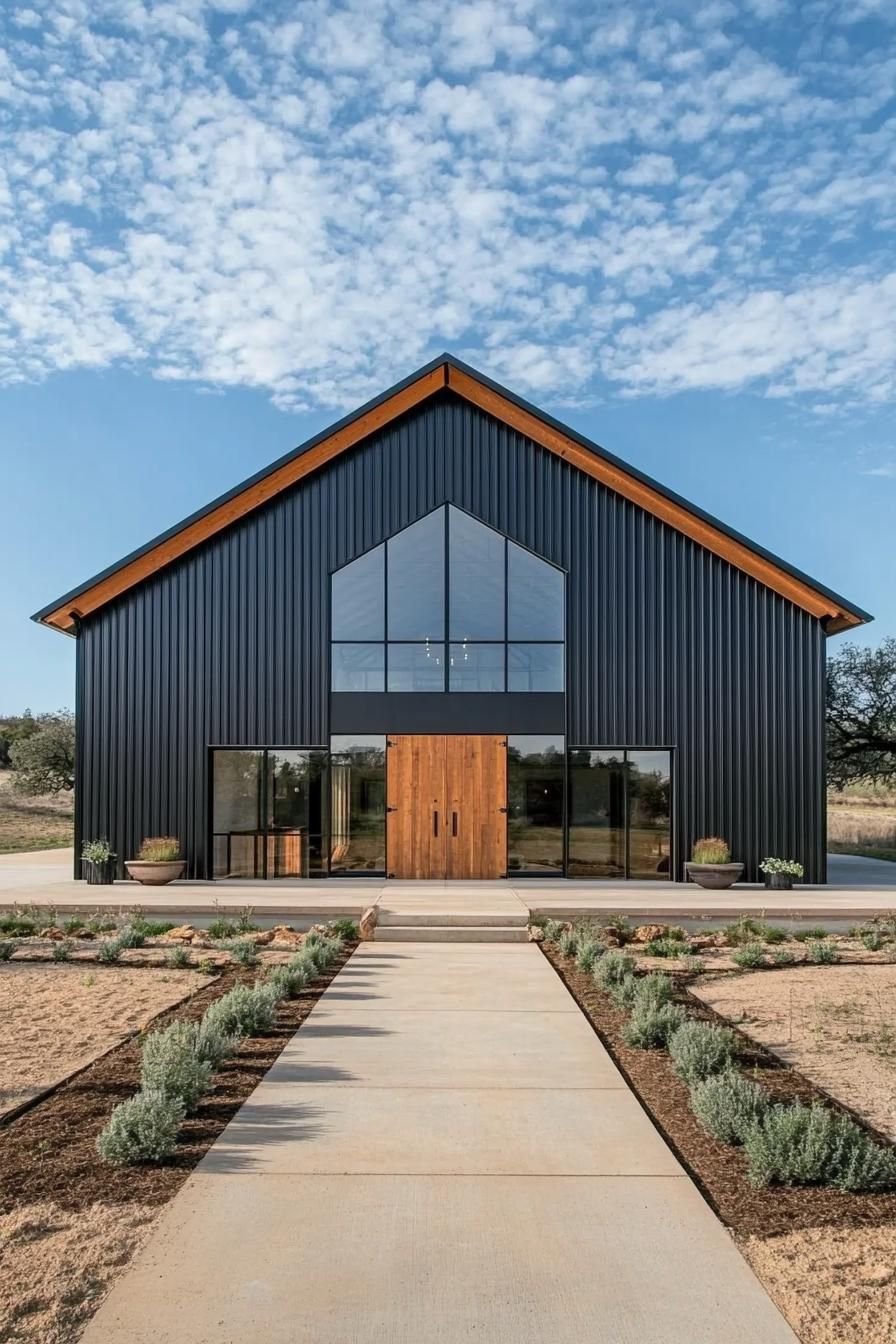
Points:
point(448, 604)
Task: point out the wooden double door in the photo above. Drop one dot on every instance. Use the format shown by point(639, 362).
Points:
point(446, 806)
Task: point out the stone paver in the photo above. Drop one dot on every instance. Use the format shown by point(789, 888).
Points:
point(417, 1171)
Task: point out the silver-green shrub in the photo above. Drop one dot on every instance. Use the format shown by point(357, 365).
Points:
point(171, 1064)
point(292, 978)
point(782, 956)
point(6, 949)
point(62, 951)
point(243, 951)
point(552, 930)
point(651, 1025)
point(699, 1049)
point(109, 950)
point(749, 956)
point(243, 1011)
point(177, 959)
point(212, 1045)
point(613, 968)
point(822, 953)
point(141, 1129)
point(587, 953)
point(810, 1145)
point(728, 1105)
point(568, 943)
point(129, 936)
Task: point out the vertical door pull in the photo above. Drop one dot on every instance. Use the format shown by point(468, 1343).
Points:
point(454, 823)
point(435, 823)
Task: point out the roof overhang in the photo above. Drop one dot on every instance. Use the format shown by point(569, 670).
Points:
point(448, 373)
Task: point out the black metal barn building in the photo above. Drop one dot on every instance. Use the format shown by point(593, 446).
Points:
point(451, 637)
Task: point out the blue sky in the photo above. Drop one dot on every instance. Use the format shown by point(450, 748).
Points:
point(224, 224)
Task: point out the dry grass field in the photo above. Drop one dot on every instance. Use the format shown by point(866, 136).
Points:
point(862, 820)
point(33, 823)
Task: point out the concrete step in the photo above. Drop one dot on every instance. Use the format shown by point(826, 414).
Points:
point(451, 933)
point(451, 918)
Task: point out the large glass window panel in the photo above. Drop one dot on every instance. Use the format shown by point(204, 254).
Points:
point(597, 797)
point(238, 792)
point(358, 605)
point(649, 813)
point(476, 667)
point(535, 667)
point(295, 812)
point(535, 770)
point(358, 804)
point(416, 667)
point(535, 597)
point(475, 578)
point(416, 580)
point(358, 667)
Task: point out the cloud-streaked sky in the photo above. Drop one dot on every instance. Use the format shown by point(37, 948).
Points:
point(302, 202)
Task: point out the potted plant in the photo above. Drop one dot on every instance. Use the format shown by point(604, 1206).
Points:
point(779, 873)
point(98, 862)
point(158, 861)
point(711, 865)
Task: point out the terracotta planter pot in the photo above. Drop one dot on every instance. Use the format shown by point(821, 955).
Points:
point(155, 873)
point(714, 876)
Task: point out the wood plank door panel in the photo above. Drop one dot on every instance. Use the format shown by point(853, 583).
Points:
point(476, 807)
point(416, 835)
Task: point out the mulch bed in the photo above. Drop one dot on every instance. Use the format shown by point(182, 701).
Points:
point(49, 1152)
point(720, 1170)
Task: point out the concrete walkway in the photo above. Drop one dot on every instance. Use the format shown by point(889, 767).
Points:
point(444, 1152)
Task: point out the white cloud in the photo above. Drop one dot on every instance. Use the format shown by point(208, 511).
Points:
point(888, 470)
point(310, 201)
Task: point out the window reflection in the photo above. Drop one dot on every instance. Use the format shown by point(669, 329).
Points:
point(416, 667)
point(416, 591)
point(535, 597)
point(649, 813)
point(535, 769)
point(476, 667)
point(535, 667)
point(358, 667)
point(359, 598)
point(268, 813)
point(358, 804)
point(596, 814)
point(476, 581)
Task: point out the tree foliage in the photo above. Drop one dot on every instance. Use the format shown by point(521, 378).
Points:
point(13, 728)
point(44, 761)
point(861, 714)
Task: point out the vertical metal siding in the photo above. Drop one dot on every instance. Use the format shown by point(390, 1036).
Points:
point(667, 644)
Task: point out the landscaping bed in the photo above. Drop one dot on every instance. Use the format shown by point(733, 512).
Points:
point(826, 1256)
point(69, 1221)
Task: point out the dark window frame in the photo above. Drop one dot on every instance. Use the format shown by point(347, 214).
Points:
point(673, 793)
point(446, 641)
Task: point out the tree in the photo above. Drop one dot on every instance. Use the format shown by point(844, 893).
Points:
point(861, 694)
point(44, 762)
point(14, 727)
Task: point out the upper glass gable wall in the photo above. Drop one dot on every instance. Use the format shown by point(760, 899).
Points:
point(448, 603)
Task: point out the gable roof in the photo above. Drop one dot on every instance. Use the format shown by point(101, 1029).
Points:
point(447, 372)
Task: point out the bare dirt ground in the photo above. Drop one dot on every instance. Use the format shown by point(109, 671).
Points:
point(57, 1018)
point(835, 1024)
point(835, 1285)
point(33, 823)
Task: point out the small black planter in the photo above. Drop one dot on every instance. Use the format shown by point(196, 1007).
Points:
point(99, 874)
point(779, 881)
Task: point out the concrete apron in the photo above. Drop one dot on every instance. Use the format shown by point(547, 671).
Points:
point(444, 1152)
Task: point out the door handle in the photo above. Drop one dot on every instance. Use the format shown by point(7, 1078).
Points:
point(454, 823)
point(435, 823)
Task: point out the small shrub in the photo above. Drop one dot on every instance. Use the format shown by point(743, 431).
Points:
point(152, 928)
point(694, 965)
point(244, 952)
point(613, 968)
point(624, 992)
point(676, 934)
point(807, 935)
point(244, 1011)
point(73, 925)
point(109, 950)
point(774, 935)
point(664, 947)
point(728, 1105)
point(129, 935)
point(206, 967)
point(159, 849)
point(822, 953)
point(782, 956)
point(97, 851)
point(552, 930)
point(651, 1026)
point(810, 1145)
point(220, 929)
point(621, 927)
point(293, 977)
point(212, 1045)
point(177, 958)
point(587, 954)
point(62, 951)
point(568, 943)
point(323, 953)
point(745, 930)
point(700, 1049)
point(651, 990)
point(19, 926)
point(749, 956)
point(711, 849)
point(171, 1064)
point(873, 939)
point(6, 949)
point(345, 929)
point(141, 1129)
